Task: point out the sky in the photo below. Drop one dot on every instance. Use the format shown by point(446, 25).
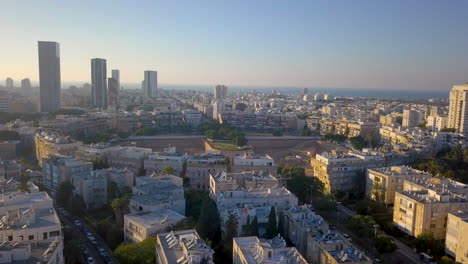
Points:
point(368, 44)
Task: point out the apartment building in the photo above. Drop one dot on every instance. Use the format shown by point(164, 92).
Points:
point(199, 168)
point(28, 217)
point(253, 162)
point(48, 143)
point(131, 158)
point(456, 240)
point(382, 183)
point(10, 169)
point(423, 205)
point(247, 180)
point(252, 250)
point(92, 187)
point(347, 255)
point(44, 252)
point(247, 213)
point(156, 162)
point(57, 169)
point(411, 118)
point(9, 149)
point(158, 192)
point(184, 246)
point(338, 170)
point(141, 225)
point(458, 116)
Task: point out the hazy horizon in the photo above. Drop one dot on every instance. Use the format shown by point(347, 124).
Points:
point(401, 45)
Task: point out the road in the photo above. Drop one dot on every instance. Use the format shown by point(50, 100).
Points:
point(68, 220)
point(203, 137)
point(403, 250)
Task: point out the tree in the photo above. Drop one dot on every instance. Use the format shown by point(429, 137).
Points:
point(209, 223)
point(143, 252)
point(305, 187)
point(427, 243)
point(281, 224)
point(363, 225)
point(99, 164)
point(277, 133)
point(452, 130)
point(359, 183)
point(246, 227)
point(384, 244)
point(272, 225)
point(120, 207)
point(324, 203)
point(230, 232)
point(446, 260)
point(64, 194)
point(254, 227)
point(72, 252)
point(168, 170)
point(358, 142)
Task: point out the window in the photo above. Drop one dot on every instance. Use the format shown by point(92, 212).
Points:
point(10, 238)
point(31, 237)
point(54, 233)
point(21, 237)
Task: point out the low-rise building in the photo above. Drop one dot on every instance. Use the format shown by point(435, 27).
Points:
point(158, 192)
point(382, 183)
point(48, 143)
point(127, 158)
point(199, 168)
point(140, 225)
point(423, 205)
point(252, 250)
point(9, 149)
point(57, 169)
point(156, 162)
point(92, 187)
point(184, 246)
point(253, 162)
point(245, 180)
point(10, 169)
point(456, 239)
point(349, 255)
point(43, 252)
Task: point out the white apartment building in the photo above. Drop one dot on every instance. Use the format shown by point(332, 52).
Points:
point(249, 161)
point(184, 246)
point(247, 180)
point(92, 187)
point(458, 108)
point(158, 192)
point(252, 250)
point(57, 169)
point(156, 162)
point(140, 225)
point(411, 118)
point(43, 252)
point(200, 167)
point(456, 240)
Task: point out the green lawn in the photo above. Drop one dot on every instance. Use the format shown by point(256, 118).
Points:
point(228, 146)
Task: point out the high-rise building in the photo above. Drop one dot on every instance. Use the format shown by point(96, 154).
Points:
point(99, 82)
point(26, 84)
point(49, 75)
point(116, 76)
point(458, 109)
point(305, 91)
point(150, 84)
point(411, 118)
point(9, 83)
point(220, 92)
point(113, 91)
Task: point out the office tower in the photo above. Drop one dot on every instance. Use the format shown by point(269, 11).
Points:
point(220, 92)
point(150, 84)
point(116, 76)
point(98, 83)
point(411, 118)
point(305, 91)
point(26, 84)
point(9, 83)
point(458, 108)
point(49, 75)
point(113, 91)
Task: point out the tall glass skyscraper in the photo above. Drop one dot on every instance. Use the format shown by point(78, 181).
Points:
point(99, 83)
point(150, 84)
point(49, 75)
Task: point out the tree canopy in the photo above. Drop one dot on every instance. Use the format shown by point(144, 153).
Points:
point(136, 253)
point(305, 187)
point(272, 225)
point(168, 170)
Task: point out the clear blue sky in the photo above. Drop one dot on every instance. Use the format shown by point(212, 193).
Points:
point(401, 44)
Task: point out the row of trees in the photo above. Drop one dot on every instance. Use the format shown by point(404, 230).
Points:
point(222, 132)
point(365, 226)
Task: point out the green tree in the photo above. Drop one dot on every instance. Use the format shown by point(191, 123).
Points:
point(281, 224)
point(64, 194)
point(272, 225)
point(452, 130)
point(358, 142)
point(143, 252)
point(120, 207)
point(324, 203)
point(277, 133)
point(230, 232)
point(246, 227)
point(384, 244)
point(305, 187)
point(427, 243)
point(168, 170)
point(446, 260)
point(209, 223)
point(363, 225)
point(99, 164)
point(254, 227)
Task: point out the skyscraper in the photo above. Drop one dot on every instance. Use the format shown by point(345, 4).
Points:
point(49, 75)
point(113, 92)
point(458, 108)
point(26, 84)
point(9, 83)
point(150, 84)
point(116, 76)
point(98, 83)
point(220, 92)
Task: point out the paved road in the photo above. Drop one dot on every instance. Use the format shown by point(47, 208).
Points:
point(403, 249)
point(203, 137)
point(69, 219)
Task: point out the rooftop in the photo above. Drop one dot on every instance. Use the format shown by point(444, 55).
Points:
point(155, 218)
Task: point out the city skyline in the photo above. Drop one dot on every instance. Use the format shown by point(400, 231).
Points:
point(339, 44)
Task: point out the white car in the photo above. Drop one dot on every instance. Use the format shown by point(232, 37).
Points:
point(90, 260)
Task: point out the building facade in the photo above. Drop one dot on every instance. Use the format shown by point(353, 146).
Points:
point(99, 83)
point(49, 76)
